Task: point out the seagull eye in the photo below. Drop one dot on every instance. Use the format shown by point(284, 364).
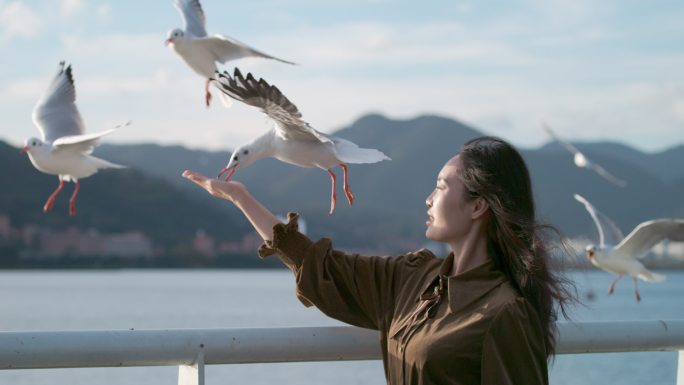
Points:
point(235, 158)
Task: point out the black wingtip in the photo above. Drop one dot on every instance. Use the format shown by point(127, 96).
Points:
point(69, 74)
point(217, 76)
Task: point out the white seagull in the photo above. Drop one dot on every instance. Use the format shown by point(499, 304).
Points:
point(620, 255)
point(64, 149)
point(291, 140)
point(200, 51)
point(582, 161)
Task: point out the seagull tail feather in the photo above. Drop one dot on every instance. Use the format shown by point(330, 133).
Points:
point(349, 152)
point(650, 276)
point(101, 163)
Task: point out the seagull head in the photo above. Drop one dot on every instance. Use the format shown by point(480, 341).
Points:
point(173, 35)
point(580, 160)
point(31, 145)
point(591, 252)
point(243, 156)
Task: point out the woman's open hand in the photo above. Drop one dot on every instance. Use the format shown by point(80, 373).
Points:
point(229, 191)
point(258, 215)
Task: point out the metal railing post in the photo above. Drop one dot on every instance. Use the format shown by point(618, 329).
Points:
point(192, 374)
point(680, 368)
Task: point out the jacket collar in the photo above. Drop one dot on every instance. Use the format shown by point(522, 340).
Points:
point(466, 287)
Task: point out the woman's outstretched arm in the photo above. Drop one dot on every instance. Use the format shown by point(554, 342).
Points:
point(235, 192)
point(351, 288)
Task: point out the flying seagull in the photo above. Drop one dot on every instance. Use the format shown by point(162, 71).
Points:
point(200, 51)
point(620, 255)
point(64, 148)
point(582, 161)
point(291, 140)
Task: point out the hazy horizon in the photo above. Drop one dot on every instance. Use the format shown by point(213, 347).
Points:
point(333, 131)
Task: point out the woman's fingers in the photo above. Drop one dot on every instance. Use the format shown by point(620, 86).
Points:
point(215, 187)
point(195, 177)
point(200, 180)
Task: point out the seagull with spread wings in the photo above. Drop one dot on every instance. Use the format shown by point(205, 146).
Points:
point(201, 51)
point(620, 255)
point(291, 140)
point(582, 161)
point(64, 148)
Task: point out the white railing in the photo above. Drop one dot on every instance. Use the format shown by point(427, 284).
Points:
point(191, 349)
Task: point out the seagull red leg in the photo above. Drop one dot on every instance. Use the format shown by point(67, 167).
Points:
point(51, 200)
point(636, 292)
point(347, 190)
point(207, 94)
point(612, 285)
point(333, 197)
point(72, 200)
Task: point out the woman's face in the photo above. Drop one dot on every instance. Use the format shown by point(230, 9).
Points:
point(449, 214)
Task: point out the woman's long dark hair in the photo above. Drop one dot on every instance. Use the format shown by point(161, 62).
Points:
point(495, 171)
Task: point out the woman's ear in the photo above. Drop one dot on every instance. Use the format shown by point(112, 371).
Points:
point(480, 208)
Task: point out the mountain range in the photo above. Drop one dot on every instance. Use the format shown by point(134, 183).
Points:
point(389, 212)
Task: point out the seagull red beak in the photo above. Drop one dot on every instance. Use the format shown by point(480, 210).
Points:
point(168, 41)
point(230, 170)
point(24, 149)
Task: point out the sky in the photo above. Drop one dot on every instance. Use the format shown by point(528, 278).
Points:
point(601, 70)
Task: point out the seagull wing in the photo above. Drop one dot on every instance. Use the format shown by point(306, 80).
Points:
point(568, 146)
point(269, 99)
point(582, 161)
point(609, 232)
point(56, 114)
point(225, 49)
point(650, 233)
point(193, 17)
point(606, 175)
point(79, 143)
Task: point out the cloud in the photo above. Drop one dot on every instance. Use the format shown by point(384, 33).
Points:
point(71, 7)
point(23, 89)
point(501, 71)
point(382, 45)
point(119, 46)
point(18, 20)
point(104, 12)
point(563, 13)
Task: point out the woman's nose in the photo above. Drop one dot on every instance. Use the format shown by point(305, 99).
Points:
point(428, 201)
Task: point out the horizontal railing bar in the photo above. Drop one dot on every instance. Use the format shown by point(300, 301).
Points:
point(68, 349)
point(113, 348)
point(607, 337)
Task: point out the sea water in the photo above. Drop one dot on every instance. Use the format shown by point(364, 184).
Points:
point(167, 299)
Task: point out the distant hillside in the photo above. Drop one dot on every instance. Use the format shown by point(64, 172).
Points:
point(111, 201)
point(379, 188)
point(659, 164)
point(390, 205)
point(389, 213)
point(167, 162)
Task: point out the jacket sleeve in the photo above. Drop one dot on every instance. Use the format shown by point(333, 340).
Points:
point(513, 351)
point(351, 288)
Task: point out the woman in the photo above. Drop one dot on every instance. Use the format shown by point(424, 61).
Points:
point(483, 315)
